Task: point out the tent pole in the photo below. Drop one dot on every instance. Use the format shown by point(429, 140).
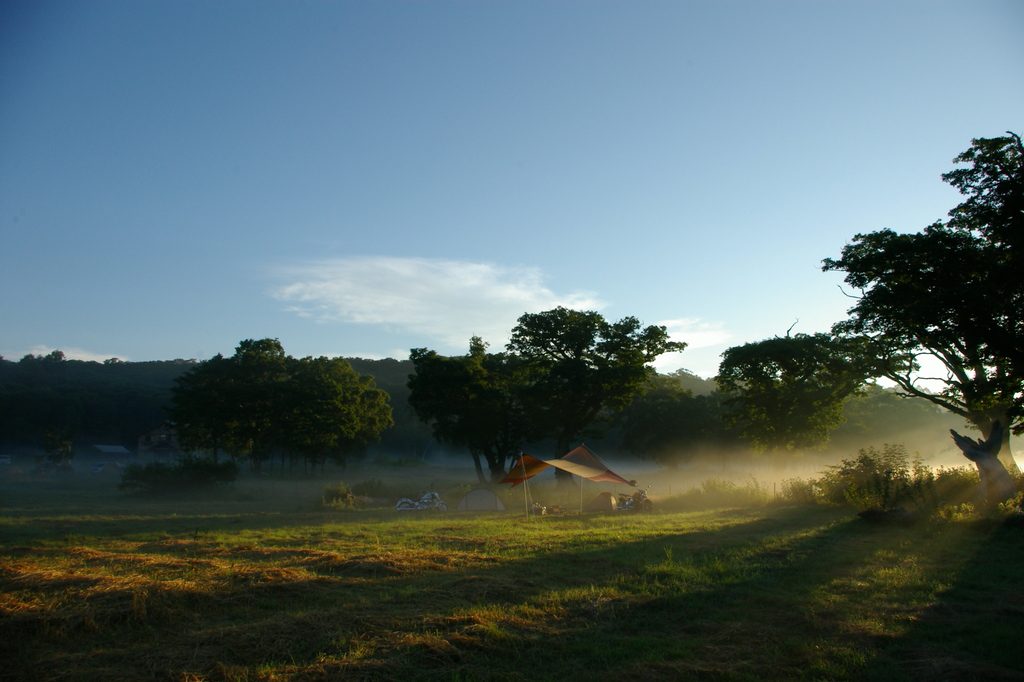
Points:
point(526, 487)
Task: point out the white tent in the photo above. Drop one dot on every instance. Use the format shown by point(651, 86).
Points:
point(481, 499)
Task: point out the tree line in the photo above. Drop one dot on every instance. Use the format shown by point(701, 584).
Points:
point(114, 402)
point(679, 417)
point(110, 402)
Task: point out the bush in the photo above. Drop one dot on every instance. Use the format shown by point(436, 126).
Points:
point(338, 497)
point(799, 491)
point(886, 479)
point(188, 473)
point(874, 480)
point(956, 485)
point(955, 512)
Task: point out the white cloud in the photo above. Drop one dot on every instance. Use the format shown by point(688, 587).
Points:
point(448, 301)
point(69, 354)
point(696, 332)
point(704, 341)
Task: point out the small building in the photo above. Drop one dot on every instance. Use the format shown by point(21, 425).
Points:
point(160, 442)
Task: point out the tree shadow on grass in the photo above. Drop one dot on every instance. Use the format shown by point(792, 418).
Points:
point(976, 629)
point(770, 597)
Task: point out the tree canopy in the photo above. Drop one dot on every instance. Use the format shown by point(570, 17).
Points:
point(670, 424)
point(952, 292)
point(564, 373)
point(583, 368)
point(261, 400)
point(473, 401)
point(786, 393)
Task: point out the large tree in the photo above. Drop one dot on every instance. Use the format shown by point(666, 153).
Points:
point(258, 373)
point(202, 408)
point(260, 401)
point(786, 393)
point(328, 411)
point(952, 292)
point(473, 401)
point(583, 368)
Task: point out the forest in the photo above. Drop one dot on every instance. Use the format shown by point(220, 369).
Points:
point(113, 403)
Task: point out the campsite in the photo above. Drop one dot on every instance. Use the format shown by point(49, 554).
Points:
point(262, 582)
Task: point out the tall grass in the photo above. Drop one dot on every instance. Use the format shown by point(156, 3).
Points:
point(715, 493)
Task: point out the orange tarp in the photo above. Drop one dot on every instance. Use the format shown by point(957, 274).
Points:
point(580, 462)
point(526, 467)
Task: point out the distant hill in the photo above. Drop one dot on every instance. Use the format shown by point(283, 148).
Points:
point(692, 382)
point(107, 403)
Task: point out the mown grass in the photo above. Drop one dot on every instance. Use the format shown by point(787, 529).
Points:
point(262, 587)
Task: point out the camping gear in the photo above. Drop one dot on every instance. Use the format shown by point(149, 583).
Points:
point(429, 500)
point(638, 501)
point(480, 499)
point(580, 462)
point(603, 502)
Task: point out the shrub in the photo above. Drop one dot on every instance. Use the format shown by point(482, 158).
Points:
point(1012, 506)
point(875, 479)
point(956, 485)
point(886, 479)
point(188, 473)
point(338, 497)
point(799, 491)
point(954, 512)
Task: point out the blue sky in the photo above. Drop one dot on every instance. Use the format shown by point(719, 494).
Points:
point(362, 178)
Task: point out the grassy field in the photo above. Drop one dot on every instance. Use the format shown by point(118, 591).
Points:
point(262, 585)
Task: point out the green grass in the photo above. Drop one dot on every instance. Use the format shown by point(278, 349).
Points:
point(263, 585)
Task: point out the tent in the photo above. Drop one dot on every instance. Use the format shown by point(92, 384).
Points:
point(580, 462)
point(480, 499)
point(603, 502)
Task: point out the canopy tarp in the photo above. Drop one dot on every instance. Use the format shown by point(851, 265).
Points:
point(579, 462)
point(524, 468)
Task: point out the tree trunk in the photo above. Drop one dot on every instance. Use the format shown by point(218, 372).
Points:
point(985, 421)
point(496, 465)
point(497, 472)
point(479, 467)
point(996, 484)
